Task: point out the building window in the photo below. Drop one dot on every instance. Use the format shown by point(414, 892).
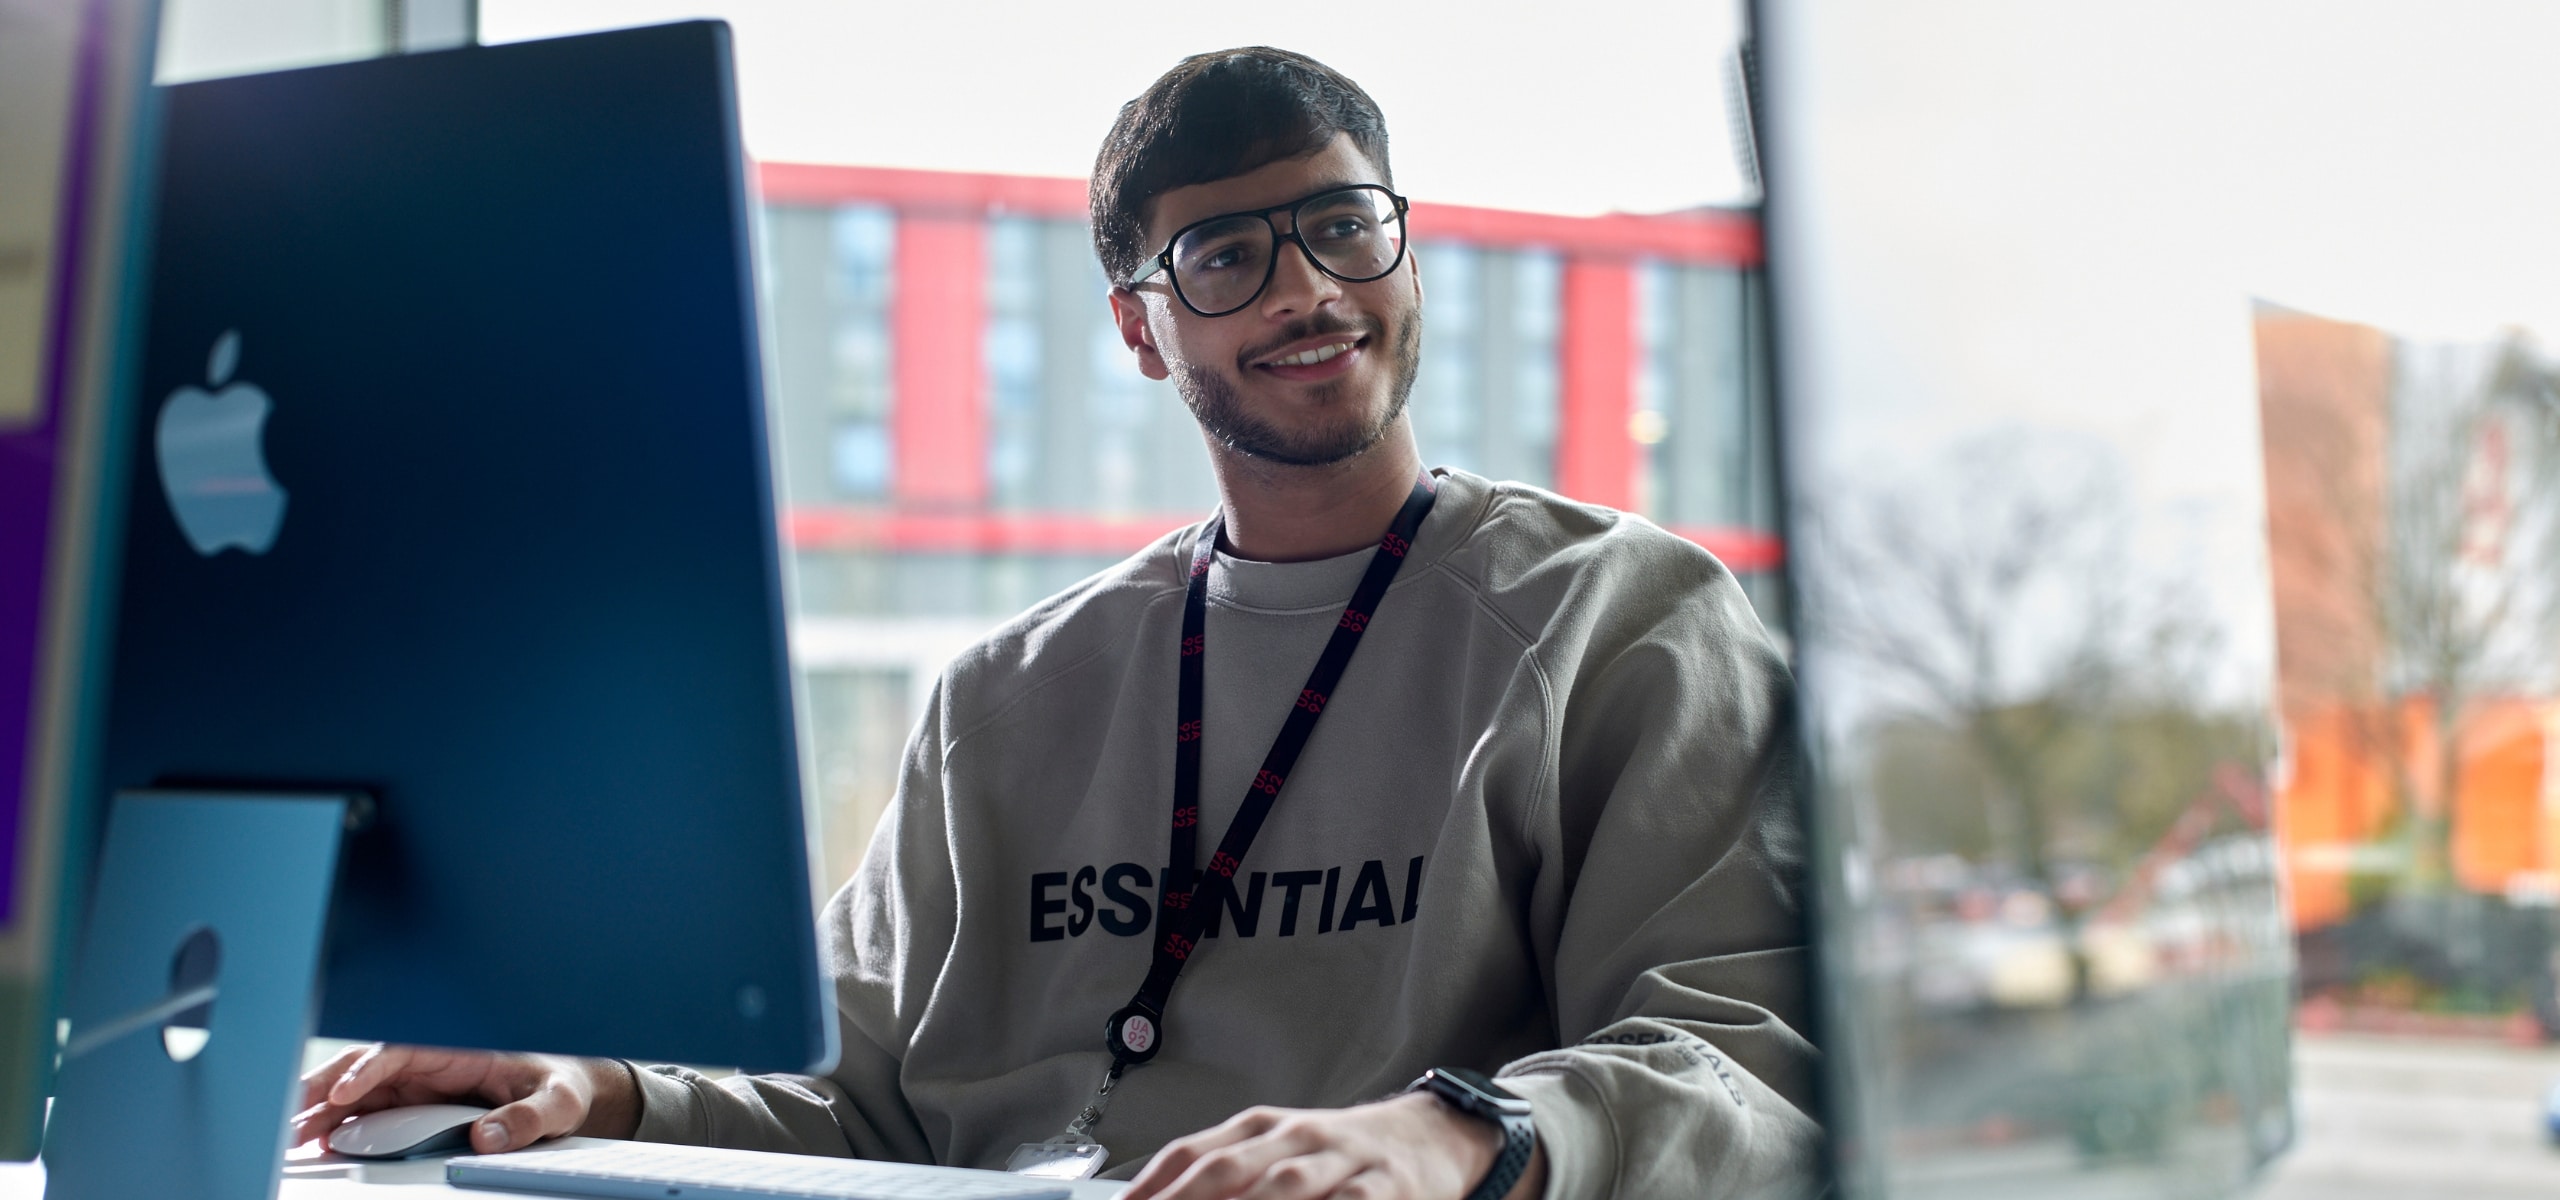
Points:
point(858, 396)
point(828, 280)
point(1486, 398)
point(858, 459)
point(1017, 403)
point(1702, 405)
point(1075, 428)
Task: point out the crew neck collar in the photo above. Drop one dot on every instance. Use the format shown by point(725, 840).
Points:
point(1328, 582)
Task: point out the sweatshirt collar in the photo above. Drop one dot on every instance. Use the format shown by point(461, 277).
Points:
point(1328, 582)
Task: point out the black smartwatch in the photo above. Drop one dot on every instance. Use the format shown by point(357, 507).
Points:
point(1470, 1092)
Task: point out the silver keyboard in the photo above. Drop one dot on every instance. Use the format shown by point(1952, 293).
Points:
point(650, 1171)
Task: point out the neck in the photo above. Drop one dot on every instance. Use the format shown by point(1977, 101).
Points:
point(1280, 513)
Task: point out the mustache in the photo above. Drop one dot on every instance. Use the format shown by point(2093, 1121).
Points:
point(1307, 327)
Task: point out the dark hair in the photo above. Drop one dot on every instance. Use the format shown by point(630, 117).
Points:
point(1215, 116)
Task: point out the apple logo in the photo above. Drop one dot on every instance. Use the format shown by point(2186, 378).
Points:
point(213, 459)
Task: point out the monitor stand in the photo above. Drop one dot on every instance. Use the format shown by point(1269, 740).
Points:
point(203, 900)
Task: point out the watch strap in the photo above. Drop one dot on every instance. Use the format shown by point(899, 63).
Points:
point(1519, 1131)
point(1519, 1140)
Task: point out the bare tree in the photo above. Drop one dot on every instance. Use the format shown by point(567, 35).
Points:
point(1998, 604)
point(2414, 497)
point(2463, 591)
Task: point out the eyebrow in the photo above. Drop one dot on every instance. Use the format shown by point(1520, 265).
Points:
point(1343, 183)
point(1335, 185)
point(1310, 194)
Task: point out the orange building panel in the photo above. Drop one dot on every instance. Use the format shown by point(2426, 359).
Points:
point(2337, 812)
point(2498, 819)
point(2336, 802)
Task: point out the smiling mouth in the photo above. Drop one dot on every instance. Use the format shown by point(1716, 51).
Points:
point(1309, 358)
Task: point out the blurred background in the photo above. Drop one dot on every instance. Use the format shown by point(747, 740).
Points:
point(2169, 412)
point(2172, 410)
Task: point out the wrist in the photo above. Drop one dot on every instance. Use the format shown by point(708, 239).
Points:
point(1474, 1143)
point(613, 1098)
point(1466, 1144)
point(1506, 1163)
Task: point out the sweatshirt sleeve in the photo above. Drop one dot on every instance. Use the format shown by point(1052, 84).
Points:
point(1678, 969)
point(881, 938)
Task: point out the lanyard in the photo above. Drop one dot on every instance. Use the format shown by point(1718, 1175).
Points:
point(1137, 1030)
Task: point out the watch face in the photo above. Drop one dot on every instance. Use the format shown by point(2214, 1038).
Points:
point(1487, 1093)
point(1477, 1082)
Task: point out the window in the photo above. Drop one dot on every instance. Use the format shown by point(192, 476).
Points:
point(828, 277)
point(1707, 439)
point(1019, 411)
point(1486, 397)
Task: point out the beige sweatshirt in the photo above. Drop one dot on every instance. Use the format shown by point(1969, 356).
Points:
point(1547, 827)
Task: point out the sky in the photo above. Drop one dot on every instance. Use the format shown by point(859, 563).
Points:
point(1596, 106)
point(2388, 162)
point(2056, 218)
point(2383, 160)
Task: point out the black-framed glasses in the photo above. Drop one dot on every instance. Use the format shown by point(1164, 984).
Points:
point(1220, 265)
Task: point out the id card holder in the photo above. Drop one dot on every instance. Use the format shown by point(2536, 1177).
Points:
point(1056, 1159)
point(1072, 1154)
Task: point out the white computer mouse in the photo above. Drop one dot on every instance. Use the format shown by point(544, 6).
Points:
point(407, 1132)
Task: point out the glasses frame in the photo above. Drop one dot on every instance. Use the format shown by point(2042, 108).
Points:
point(1163, 260)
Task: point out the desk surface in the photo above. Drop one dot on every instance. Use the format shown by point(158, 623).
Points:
point(344, 1179)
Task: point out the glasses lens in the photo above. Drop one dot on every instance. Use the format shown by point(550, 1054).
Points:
point(1353, 232)
point(1221, 265)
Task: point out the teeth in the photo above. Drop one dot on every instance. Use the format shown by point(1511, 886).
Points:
point(1312, 357)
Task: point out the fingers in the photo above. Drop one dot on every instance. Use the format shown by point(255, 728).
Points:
point(1178, 1155)
point(1392, 1150)
point(1254, 1143)
point(314, 1115)
point(317, 1121)
point(316, 1083)
point(1304, 1177)
point(555, 1108)
point(362, 1079)
point(333, 1091)
point(1372, 1184)
point(374, 1066)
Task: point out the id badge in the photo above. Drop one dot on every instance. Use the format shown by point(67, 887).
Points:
point(1057, 1160)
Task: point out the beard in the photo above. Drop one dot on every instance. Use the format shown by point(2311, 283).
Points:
point(1219, 406)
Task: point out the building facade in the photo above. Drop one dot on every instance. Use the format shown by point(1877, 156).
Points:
point(960, 431)
point(2413, 533)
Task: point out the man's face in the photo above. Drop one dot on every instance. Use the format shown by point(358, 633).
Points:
point(1237, 372)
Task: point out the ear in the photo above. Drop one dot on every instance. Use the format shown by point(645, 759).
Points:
point(1414, 261)
point(1129, 312)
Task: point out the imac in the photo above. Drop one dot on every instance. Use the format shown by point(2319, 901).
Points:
point(449, 681)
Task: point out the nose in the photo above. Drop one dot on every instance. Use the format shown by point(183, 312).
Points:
point(1297, 286)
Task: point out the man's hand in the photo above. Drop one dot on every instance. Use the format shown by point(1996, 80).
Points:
point(1413, 1147)
point(533, 1096)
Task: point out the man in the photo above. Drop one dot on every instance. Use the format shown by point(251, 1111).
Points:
point(1532, 815)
